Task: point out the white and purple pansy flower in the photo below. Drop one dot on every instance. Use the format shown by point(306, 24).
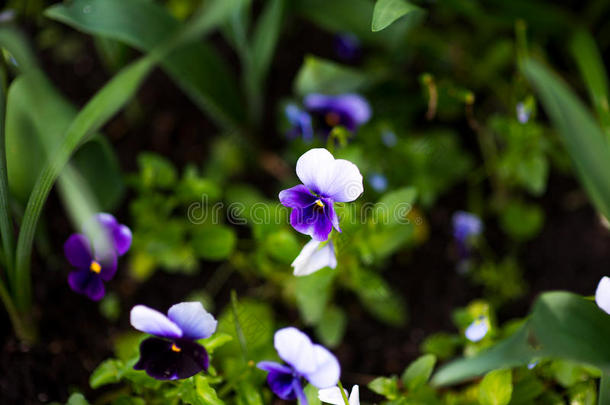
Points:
point(173, 353)
point(304, 360)
point(300, 122)
point(348, 110)
point(326, 180)
point(314, 256)
point(94, 254)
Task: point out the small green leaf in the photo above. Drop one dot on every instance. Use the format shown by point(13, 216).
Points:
point(522, 221)
point(312, 294)
point(77, 399)
point(331, 328)
point(388, 11)
point(496, 388)
point(322, 76)
point(109, 372)
point(393, 207)
point(214, 242)
point(418, 372)
point(388, 387)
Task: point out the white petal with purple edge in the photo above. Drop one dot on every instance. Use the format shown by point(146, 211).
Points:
point(296, 349)
point(313, 258)
point(193, 319)
point(337, 179)
point(602, 294)
point(148, 320)
point(327, 369)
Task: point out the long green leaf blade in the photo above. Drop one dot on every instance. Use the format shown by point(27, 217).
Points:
point(583, 138)
point(6, 228)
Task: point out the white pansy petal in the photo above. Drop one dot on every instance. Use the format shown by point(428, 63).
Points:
point(295, 348)
point(327, 370)
point(354, 398)
point(315, 169)
point(193, 319)
point(331, 396)
point(602, 294)
point(313, 258)
point(346, 182)
point(148, 320)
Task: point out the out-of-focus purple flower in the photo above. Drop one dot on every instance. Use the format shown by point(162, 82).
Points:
point(348, 110)
point(523, 114)
point(477, 329)
point(602, 294)
point(389, 138)
point(300, 122)
point(326, 180)
point(532, 364)
point(173, 354)
point(378, 181)
point(94, 254)
point(466, 226)
point(314, 257)
point(303, 360)
point(347, 46)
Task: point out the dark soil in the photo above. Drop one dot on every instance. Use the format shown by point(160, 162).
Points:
point(572, 252)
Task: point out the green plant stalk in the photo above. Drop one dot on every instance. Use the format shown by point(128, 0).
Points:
point(343, 395)
point(6, 229)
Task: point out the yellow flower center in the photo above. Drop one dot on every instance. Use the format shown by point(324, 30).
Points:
point(319, 203)
point(95, 267)
point(176, 348)
point(332, 119)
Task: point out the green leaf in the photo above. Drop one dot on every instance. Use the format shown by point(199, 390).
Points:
point(379, 299)
point(156, 171)
point(331, 327)
point(312, 294)
point(388, 11)
point(16, 44)
point(322, 76)
point(283, 246)
point(214, 242)
point(77, 399)
point(109, 372)
point(591, 66)
point(265, 36)
point(393, 207)
point(142, 24)
point(388, 387)
point(418, 372)
point(521, 221)
point(496, 388)
point(583, 138)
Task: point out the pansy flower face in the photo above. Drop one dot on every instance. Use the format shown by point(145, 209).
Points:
point(300, 123)
point(304, 360)
point(173, 353)
point(326, 180)
point(94, 254)
point(347, 110)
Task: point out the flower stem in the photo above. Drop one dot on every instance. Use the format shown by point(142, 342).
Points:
point(343, 394)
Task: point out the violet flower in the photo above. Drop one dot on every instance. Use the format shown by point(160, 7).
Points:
point(94, 253)
point(300, 123)
point(174, 353)
point(314, 256)
point(523, 113)
point(326, 180)
point(477, 330)
point(347, 46)
point(348, 110)
point(466, 226)
point(305, 360)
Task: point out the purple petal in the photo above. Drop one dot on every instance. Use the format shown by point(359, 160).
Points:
point(270, 366)
point(352, 109)
point(148, 320)
point(166, 360)
point(297, 197)
point(311, 221)
point(78, 251)
point(282, 385)
point(108, 262)
point(87, 283)
point(122, 239)
point(329, 210)
point(108, 232)
point(300, 393)
point(337, 179)
point(295, 348)
point(327, 370)
point(347, 46)
point(193, 319)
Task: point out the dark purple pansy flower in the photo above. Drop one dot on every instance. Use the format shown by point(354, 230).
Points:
point(347, 110)
point(347, 46)
point(465, 227)
point(174, 353)
point(326, 180)
point(94, 254)
point(300, 123)
point(304, 360)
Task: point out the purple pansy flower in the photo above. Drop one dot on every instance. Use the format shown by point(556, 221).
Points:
point(94, 253)
point(477, 330)
point(304, 360)
point(326, 180)
point(174, 353)
point(347, 46)
point(347, 110)
point(465, 227)
point(300, 122)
